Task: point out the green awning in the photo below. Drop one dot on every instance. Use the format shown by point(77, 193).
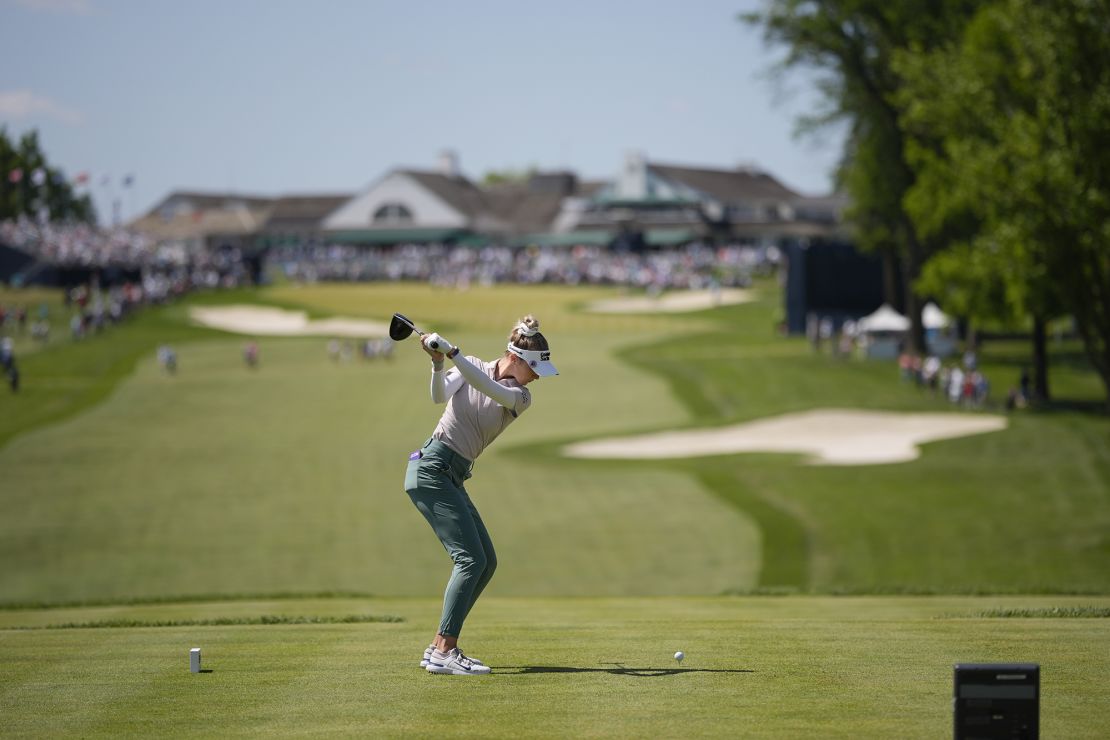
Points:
point(395, 236)
point(566, 239)
point(669, 237)
point(476, 241)
point(646, 202)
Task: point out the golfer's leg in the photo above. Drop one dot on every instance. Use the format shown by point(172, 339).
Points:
point(446, 509)
point(487, 547)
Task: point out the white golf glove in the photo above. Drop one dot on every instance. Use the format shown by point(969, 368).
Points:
point(435, 343)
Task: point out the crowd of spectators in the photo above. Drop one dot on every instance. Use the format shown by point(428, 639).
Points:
point(77, 244)
point(167, 267)
point(693, 266)
point(960, 383)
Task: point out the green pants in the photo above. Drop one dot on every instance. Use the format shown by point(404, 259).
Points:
point(434, 482)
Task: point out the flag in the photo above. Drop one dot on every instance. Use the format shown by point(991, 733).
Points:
point(38, 177)
point(81, 178)
point(15, 175)
point(128, 180)
point(106, 181)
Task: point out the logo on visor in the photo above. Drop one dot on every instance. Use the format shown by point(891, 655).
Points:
point(533, 363)
point(545, 356)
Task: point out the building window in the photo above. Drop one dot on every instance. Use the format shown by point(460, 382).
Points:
point(392, 213)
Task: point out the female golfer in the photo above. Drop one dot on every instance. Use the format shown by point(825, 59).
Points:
point(482, 399)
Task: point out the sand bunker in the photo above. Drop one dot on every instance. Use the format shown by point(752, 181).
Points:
point(678, 301)
point(827, 436)
point(278, 322)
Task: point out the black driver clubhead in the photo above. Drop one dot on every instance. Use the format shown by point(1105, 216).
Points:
point(400, 327)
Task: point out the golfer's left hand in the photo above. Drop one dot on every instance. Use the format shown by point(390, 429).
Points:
point(441, 346)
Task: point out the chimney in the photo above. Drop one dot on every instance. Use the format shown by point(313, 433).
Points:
point(632, 181)
point(449, 163)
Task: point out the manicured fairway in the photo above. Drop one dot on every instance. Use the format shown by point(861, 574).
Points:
point(761, 667)
point(124, 486)
point(287, 478)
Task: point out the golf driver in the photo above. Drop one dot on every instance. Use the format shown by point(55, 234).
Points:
point(400, 328)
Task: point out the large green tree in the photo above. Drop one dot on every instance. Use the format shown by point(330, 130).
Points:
point(852, 44)
point(1020, 106)
point(23, 192)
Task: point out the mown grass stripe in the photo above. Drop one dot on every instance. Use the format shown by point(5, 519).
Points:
point(1053, 612)
point(183, 599)
point(265, 619)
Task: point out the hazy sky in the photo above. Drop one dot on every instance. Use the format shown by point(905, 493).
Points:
point(276, 97)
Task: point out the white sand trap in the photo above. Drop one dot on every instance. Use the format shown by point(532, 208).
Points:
point(828, 436)
point(278, 322)
point(673, 302)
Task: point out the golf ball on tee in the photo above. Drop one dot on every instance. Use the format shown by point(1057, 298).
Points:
point(679, 656)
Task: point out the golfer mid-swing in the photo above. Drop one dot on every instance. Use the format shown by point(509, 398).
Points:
point(482, 399)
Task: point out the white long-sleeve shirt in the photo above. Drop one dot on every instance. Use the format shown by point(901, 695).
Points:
point(479, 407)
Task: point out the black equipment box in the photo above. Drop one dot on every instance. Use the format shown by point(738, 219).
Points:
point(997, 700)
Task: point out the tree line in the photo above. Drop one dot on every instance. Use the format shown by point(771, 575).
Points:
point(976, 158)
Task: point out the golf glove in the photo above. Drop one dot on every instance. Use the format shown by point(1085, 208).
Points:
point(436, 343)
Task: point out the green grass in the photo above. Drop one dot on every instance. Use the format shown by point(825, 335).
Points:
point(225, 481)
point(130, 499)
point(1052, 612)
point(267, 619)
point(760, 667)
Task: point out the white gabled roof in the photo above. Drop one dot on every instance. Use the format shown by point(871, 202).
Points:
point(884, 318)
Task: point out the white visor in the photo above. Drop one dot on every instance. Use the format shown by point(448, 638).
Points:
point(538, 360)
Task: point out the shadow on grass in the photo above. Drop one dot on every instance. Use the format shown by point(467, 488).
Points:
point(1067, 405)
point(616, 670)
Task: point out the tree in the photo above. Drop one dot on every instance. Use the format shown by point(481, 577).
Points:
point(509, 176)
point(853, 43)
point(1020, 106)
point(28, 184)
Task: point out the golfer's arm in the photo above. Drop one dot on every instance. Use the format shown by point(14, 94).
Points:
point(504, 395)
point(444, 384)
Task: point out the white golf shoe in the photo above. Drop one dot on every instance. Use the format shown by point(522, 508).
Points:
point(454, 663)
point(428, 656)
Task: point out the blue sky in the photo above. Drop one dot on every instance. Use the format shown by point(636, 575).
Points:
point(276, 97)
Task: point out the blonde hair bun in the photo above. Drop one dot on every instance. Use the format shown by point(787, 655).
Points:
point(529, 326)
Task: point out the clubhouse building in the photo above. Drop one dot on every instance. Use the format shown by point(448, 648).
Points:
point(645, 205)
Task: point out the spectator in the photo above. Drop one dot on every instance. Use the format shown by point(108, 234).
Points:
point(250, 354)
point(930, 372)
point(8, 364)
point(955, 384)
point(167, 358)
point(1025, 386)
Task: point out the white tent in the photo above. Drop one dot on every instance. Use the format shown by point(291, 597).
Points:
point(933, 318)
point(883, 319)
